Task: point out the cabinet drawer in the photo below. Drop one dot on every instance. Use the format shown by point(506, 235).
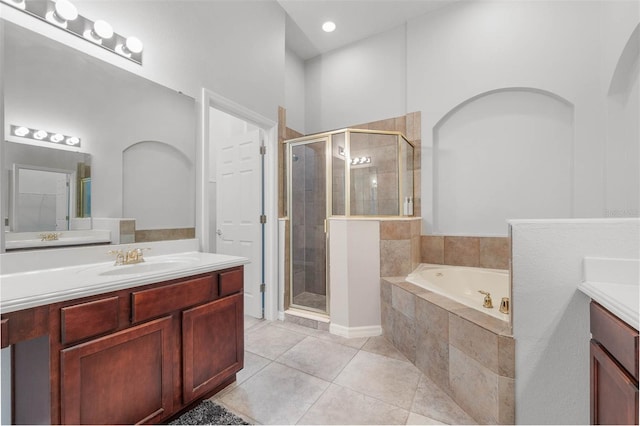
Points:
point(617, 337)
point(154, 302)
point(230, 282)
point(88, 319)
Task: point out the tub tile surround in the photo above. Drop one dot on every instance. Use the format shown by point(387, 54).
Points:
point(479, 252)
point(468, 354)
point(399, 246)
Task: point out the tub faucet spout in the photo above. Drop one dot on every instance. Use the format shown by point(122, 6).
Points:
point(488, 303)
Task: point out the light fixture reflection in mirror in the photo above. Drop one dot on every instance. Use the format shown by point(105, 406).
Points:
point(62, 12)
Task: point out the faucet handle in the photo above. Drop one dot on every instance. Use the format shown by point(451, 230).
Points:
point(488, 303)
point(139, 251)
point(119, 256)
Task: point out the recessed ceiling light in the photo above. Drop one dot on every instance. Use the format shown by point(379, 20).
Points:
point(328, 27)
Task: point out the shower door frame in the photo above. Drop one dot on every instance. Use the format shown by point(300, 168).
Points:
point(326, 138)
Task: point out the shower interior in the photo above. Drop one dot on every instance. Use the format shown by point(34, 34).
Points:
point(345, 173)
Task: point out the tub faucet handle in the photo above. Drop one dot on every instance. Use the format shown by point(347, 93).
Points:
point(488, 303)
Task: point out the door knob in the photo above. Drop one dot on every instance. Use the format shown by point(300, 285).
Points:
point(219, 232)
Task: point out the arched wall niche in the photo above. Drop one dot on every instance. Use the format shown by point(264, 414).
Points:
point(622, 149)
point(158, 186)
point(503, 154)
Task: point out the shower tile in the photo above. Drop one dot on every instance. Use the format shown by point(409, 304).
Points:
point(415, 252)
point(474, 386)
point(276, 395)
point(401, 125)
point(320, 358)
point(340, 406)
point(389, 380)
point(462, 251)
point(386, 312)
point(432, 249)
point(434, 403)
point(494, 252)
point(385, 291)
point(416, 227)
point(395, 230)
point(381, 346)
point(271, 341)
point(474, 341)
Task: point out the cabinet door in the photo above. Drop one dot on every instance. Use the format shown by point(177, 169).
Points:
point(614, 393)
point(123, 378)
point(213, 345)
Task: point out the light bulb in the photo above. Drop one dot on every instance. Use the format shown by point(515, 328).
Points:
point(40, 134)
point(21, 131)
point(99, 31)
point(63, 11)
point(132, 45)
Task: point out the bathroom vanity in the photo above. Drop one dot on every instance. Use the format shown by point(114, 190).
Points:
point(123, 344)
point(612, 285)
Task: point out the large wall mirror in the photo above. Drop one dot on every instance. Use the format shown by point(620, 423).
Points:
point(51, 86)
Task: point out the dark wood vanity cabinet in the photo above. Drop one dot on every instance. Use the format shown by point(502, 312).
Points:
point(142, 355)
point(614, 369)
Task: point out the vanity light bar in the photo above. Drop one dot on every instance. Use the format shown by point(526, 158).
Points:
point(45, 136)
point(63, 14)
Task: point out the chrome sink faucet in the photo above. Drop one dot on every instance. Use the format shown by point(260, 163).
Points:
point(129, 257)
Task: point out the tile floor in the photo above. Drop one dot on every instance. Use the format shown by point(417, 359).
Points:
point(298, 375)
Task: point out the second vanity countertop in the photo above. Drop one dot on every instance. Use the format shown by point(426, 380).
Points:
point(614, 284)
point(30, 289)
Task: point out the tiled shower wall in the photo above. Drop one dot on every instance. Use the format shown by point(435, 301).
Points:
point(399, 246)
point(481, 252)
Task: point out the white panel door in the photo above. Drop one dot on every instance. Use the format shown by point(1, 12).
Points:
point(238, 209)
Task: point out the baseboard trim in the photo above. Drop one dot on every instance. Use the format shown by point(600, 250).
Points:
point(354, 332)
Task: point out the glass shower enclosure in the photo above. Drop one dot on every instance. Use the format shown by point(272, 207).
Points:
point(345, 173)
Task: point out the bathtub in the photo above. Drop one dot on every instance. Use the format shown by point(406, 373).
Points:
point(462, 284)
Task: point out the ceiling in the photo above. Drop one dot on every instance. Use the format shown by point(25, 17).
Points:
point(355, 20)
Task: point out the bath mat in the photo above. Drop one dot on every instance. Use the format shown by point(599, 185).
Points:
point(208, 413)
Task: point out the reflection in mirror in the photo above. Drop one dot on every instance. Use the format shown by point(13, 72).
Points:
point(52, 86)
point(43, 195)
point(41, 199)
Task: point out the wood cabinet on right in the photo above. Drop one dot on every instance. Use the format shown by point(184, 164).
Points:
point(209, 357)
point(614, 369)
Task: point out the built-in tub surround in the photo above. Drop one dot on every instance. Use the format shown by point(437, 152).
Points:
point(469, 354)
point(483, 252)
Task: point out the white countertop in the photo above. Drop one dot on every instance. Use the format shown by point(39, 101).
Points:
point(22, 240)
point(614, 284)
point(22, 290)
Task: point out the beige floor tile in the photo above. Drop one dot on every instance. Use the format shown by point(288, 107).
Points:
point(251, 322)
point(417, 419)
point(340, 406)
point(356, 343)
point(252, 364)
point(276, 395)
point(381, 346)
point(270, 341)
point(433, 402)
point(390, 380)
point(320, 358)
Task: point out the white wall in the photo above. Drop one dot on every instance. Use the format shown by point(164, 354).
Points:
point(567, 50)
point(234, 48)
point(551, 317)
point(294, 91)
point(360, 83)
